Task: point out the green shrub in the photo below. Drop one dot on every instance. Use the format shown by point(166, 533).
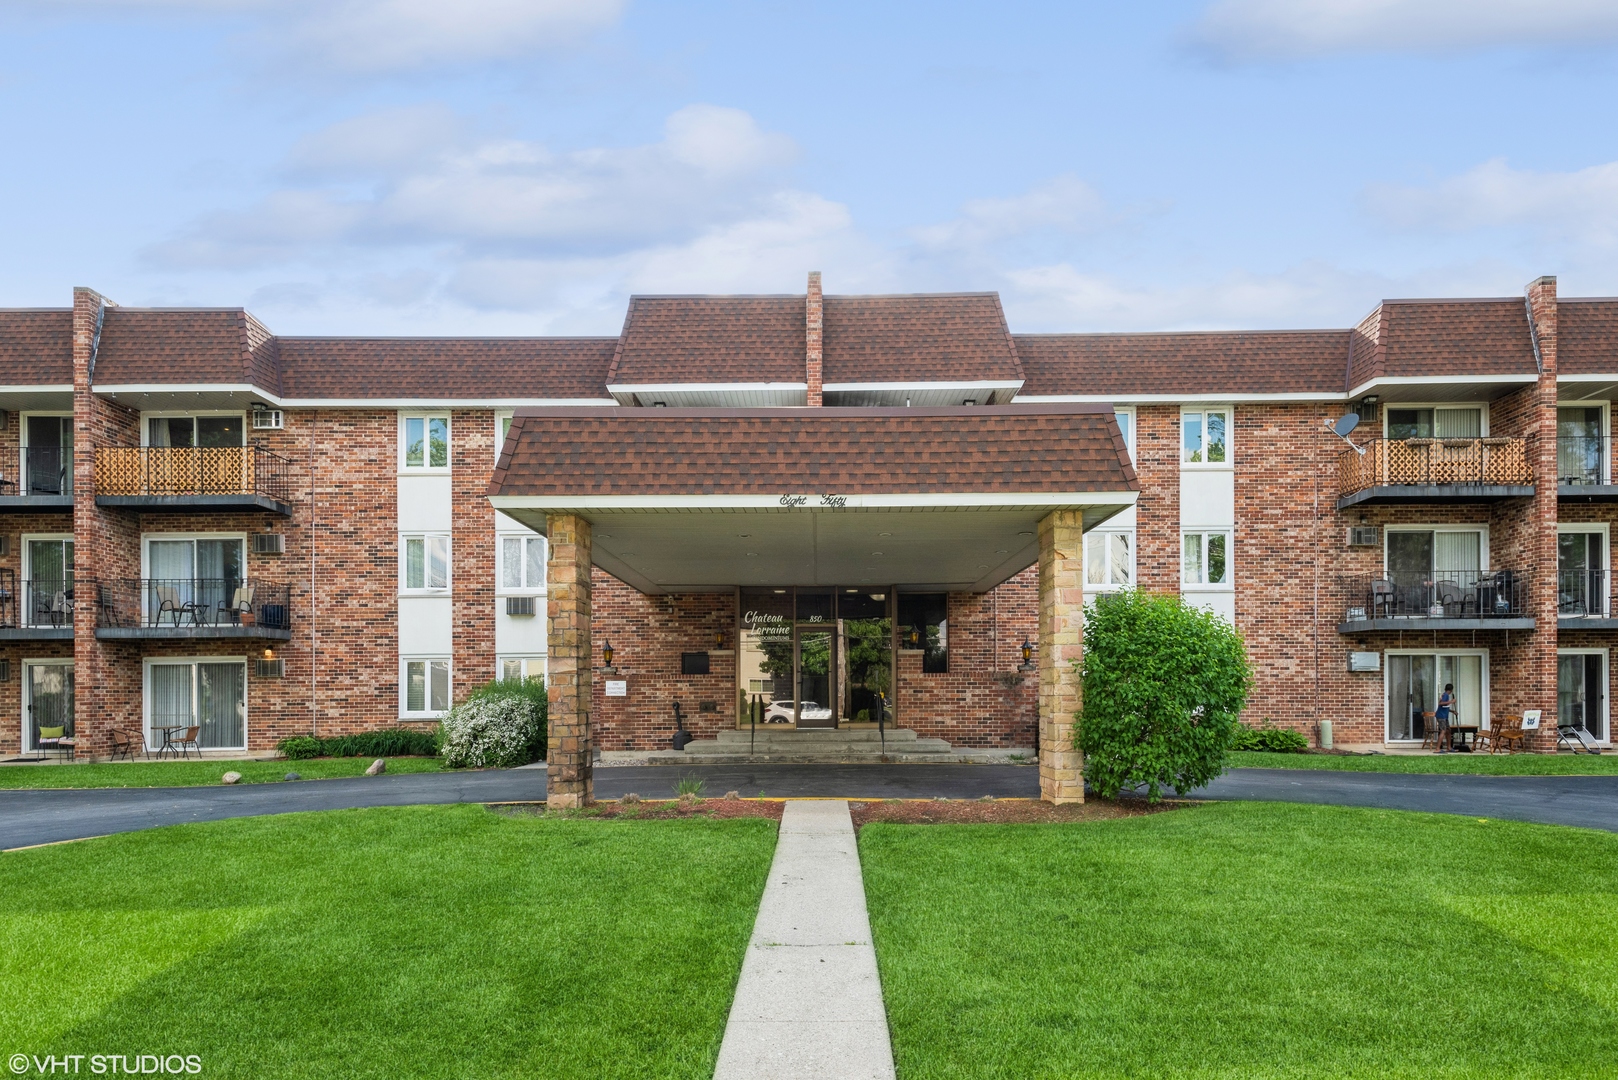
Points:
point(1273, 739)
point(389, 742)
point(1164, 684)
point(299, 746)
point(532, 691)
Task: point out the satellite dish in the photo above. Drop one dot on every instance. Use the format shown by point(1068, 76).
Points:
point(1346, 424)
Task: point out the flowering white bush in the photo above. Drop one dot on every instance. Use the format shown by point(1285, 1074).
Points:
point(490, 732)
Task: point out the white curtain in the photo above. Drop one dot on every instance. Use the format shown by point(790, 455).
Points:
point(171, 698)
point(1458, 551)
point(222, 706)
point(1458, 423)
point(1466, 673)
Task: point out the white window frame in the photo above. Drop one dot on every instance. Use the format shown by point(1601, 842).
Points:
point(146, 665)
point(1229, 533)
point(1605, 530)
point(1483, 542)
point(1202, 411)
point(1484, 713)
point(1103, 536)
point(502, 420)
point(532, 664)
point(25, 696)
point(500, 587)
point(1606, 430)
point(1606, 672)
point(25, 606)
point(428, 713)
point(449, 442)
point(158, 414)
point(1483, 421)
point(449, 564)
point(1129, 439)
point(147, 538)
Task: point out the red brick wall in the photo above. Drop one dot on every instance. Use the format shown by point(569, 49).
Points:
point(1157, 463)
point(472, 549)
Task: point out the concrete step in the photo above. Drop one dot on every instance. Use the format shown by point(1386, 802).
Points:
point(807, 747)
point(817, 736)
point(690, 756)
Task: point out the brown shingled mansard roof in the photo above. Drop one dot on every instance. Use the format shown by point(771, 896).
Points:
point(447, 368)
point(1413, 338)
point(943, 337)
point(1239, 362)
point(221, 346)
point(1010, 448)
point(36, 347)
point(711, 339)
point(1587, 336)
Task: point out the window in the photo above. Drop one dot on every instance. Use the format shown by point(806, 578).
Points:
point(518, 668)
point(1581, 571)
point(1109, 559)
point(205, 693)
point(426, 687)
point(426, 442)
point(197, 430)
point(1435, 423)
point(191, 573)
point(1580, 448)
point(924, 625)
point(47, 581)
point(1581, 690)
point(502, 428)
point(47, 464)
point(522, 563)
point(1207, 559)
point(1206, 437)
point(1126, 425)
point(426, 563)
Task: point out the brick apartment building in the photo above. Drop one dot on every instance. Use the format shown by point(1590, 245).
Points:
point(822, 511)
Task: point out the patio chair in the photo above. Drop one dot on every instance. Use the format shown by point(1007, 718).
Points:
point(1508, 736)
point(107, 608)
point(1453, 597)
point(52, 607)
point(54, 738)
point(241, 603)
point(1575, 739)
point(1431, 734)
point(123, 745)
point(169, 602)
point(187, 738)
point(1382, 601)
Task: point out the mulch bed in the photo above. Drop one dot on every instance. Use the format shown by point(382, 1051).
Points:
point(895, 811)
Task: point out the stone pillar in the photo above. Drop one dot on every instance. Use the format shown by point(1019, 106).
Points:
point(569, 783)
point(1061, 644)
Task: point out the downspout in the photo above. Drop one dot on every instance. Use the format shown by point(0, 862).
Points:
point(95, 342)
point(1533, 336)
point(314, 419)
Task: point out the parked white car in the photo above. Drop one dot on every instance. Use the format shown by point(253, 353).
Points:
point(781, 712)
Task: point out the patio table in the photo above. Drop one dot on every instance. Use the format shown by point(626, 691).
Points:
point(168, 738)
point(1464, 731)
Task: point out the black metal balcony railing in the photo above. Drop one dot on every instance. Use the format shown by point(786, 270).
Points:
point(192, 602)
point(1423, 462)
point(36, 470)
point(1443, 594)
point(42, 604)
point(192, 470)
point(1581, 593)
point(1581, 459)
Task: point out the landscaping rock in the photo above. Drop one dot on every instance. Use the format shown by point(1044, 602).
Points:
point(231, 778)
point(292, 776)
point(733, 794)
point(378, 767)
point(630, 798)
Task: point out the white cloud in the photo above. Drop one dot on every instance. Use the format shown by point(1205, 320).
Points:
point(374, 36)
point(1283, 29)
point(1062, 204)
point(1579, 207)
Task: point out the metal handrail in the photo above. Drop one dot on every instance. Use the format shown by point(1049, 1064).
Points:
point(193, 602)
point(1442, 594)
point(36, 470)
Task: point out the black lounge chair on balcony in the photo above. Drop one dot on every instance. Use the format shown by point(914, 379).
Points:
point(1382, 598)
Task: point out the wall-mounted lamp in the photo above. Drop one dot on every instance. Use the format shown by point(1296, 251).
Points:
point(718, 640)
point(1027, 656)
point(606, 654)
point(269, 653)
point(913, 638)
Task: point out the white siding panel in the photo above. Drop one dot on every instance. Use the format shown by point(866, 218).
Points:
point(1220, 603)
point(1207, 497)
point(425, 626)
point(425, 504)
point(519, 634)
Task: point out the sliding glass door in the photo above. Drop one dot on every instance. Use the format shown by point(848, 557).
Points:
point(48, 687)
point(1415, 679)
point(209, 695)
point(1581, 692)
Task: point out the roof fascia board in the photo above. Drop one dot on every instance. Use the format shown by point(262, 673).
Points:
point(1324, 395)
point(1442, 380)
point(904, 500)
point(980, 384)
point(701, 387)
point(41, 388)
point(311, 403)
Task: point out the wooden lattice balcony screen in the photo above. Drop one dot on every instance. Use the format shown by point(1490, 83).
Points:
point(190, 470)
point(1422, 462)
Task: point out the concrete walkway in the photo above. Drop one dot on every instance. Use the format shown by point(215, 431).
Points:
point(809, 1001)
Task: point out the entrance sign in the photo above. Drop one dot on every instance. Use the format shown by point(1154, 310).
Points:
point(823, 501)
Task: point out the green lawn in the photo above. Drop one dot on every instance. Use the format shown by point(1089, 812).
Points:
point(1239, 940)
point(188, 773)
point(1484, 764)
point(397, 942)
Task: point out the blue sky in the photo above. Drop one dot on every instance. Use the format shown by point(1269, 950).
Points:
point(522, 166)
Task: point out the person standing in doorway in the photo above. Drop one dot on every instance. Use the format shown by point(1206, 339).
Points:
point(1446, 707)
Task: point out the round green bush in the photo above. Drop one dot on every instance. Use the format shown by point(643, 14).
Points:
point(1164, 685)
point(299, 747)
point(490, 731)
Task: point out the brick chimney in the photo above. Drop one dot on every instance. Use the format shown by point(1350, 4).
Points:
point(814, 323)
point(1542, 313)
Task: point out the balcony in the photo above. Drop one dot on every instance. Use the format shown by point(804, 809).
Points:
point(36, 479)
point(1393, 471)
point(1438, 600)
point(1583, 601)
point(1582, 473)
point(193, 608)
point(35, 610)
point(182, 478)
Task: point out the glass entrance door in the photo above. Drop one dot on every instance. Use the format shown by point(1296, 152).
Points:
point(816, 664)
point(1581, 700)
point(50, 701)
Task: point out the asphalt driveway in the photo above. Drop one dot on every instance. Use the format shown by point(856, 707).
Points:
point(47, 816)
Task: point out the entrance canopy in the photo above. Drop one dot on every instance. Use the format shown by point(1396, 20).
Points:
point(692, 500)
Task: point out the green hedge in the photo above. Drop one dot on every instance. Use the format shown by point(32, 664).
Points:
point(532, 691)
point(391, 742)
point(1275, 740)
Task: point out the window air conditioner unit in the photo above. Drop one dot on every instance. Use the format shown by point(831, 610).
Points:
point(271, 669)
point(269, 544)
point(1366, 536)
point(268, 420)
point(520, 605)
